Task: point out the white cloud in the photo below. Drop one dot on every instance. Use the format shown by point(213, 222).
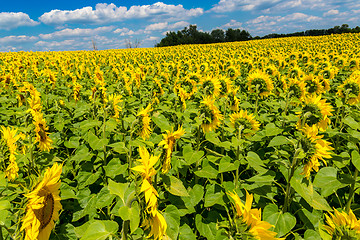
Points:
point(232, 24)
point(245, 5)
point(127, 32)
point(290, 22)
point(276, 6)
point(10, 20)
point(18, 39)
point(331, 12)
point(156, 26)
point(152, 38)
point(166, 25)
point(67, 32)
point(104, 13)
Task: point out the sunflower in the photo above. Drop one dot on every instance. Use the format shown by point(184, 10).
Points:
point(315, 149)
point(248, 221)
point(145, 120)
point(315, 112)
point(43, 205)
point(115, 100)
point(296, 88)
point(225, 86)
point(76, 90)
point(212, 115)
point(157, 224)
point(233, 100)
point(147, 172)
point(11, 136)
point(41, 135)
point(313, 85)
point(211, 86)
point(260, 83)
point(350, 89)
point(169, 143)
point(342, 225)
point(244, 121)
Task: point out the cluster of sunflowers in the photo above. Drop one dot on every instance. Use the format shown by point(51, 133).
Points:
point(278, 118)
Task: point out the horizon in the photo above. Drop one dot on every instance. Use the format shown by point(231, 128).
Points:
point(72, 25)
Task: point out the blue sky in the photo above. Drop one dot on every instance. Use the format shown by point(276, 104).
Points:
point(73, 25)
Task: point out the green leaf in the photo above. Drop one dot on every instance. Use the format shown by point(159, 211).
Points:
point(207, 172)
point(213, 195)
point(272, 130)
point(174, 186)
point(311, 235)
point(172, 218)
point(185, 233)
point(309, 194)
point(95, 142)
point(73, 142)
point(5, 204)
point(351, 122)
point(255, 162)
point(278, 140)
point(3, 217)
point(115, 168)
point(119, 147)
point(191, 156)
point(195, 196)
point(100, 230)
point(206, 229)
point(283, 222)
point(326, 179)
point(118, 189)
point(135, 217)
point(104, 198)
point(266, 177)
point(226, 165)
point(66, 191)
point(161, 122)
point(355, 159)
point(86, 178)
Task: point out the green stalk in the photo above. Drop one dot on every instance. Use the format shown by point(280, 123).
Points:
point(352, 190)
point(291, 172)
point(241, 127)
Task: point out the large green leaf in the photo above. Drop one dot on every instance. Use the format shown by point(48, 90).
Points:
point(326, 179)
point(100, 230)
point(307, 192)
point(283, 222)
point(174, 186)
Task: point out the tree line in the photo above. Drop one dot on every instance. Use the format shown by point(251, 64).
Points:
point(191, 35)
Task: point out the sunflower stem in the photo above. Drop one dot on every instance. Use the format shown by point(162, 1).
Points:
point(104, 135)
point(352, 190)
point(241, 127)
point(291, 172)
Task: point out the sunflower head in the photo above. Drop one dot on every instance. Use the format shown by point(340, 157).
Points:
point(315, 112)
point(260, 83)
point(242, 121)
point(313, 85)
point(350, 90)
point(296, 88)
point(211, 114)
point(43, 205)
point(342, 225)
point(211, 86)
point(314, 148)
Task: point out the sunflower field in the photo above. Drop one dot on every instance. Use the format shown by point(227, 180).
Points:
point(243, 140)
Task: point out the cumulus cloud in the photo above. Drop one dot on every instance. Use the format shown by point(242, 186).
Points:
point(104, 13)
point(331, 12)
point(288, 22)
point(276, 6)
point(10, 20)
point(232, 24)
point(127, 32)
point(67, 32)
point(18, 39)
point(166, 25)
